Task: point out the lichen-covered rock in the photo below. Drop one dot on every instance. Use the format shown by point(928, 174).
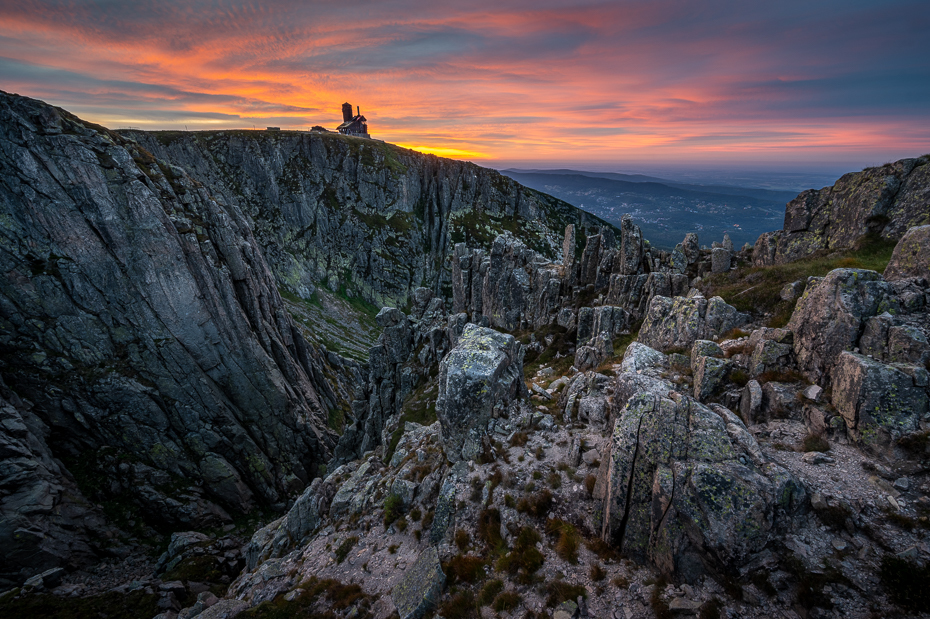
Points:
point(710, 375)
point(681, 494)
point(633, 293)
point(885, 200)
point(639, 357)
point(477, 381)
point(679, 322)
point(704, 348)
point(910, 257)
point(769, 355)
point(720, 260)
point(629, 260)
point(828, 318)
point(891, 343)
point(779, 401)
point(594, 354)
point(419, 589)
point(880, 403)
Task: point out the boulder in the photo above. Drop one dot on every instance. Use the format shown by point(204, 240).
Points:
point(880, 403)
point(910, 257)
point(750, 404)
point(769, 355)
point(779, 401)
point(639, 357)
point(891, 343)
point(419, 589)
point(679, 493)
point(719, 260)
point(593, 355)
point(704, 348)
point(691, 248)
point(710, 375)
point(679, 322)
point(477, 381)
point(828, 318)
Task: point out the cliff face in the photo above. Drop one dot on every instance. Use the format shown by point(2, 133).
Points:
point(886, 200)
point(365, 217)
point(141, 323)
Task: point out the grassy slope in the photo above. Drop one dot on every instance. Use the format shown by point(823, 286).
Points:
point(757, 289)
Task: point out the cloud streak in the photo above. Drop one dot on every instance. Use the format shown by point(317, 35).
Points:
point(540, 81)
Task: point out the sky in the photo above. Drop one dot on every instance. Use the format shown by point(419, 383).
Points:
point(531, 83)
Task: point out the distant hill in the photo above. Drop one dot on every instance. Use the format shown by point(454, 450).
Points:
point(664, 209)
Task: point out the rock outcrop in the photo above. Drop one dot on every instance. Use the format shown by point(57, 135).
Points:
point(138, 313)
point(685, 487)
point(884, 201)
point(676, 323)
point(45, 522)
point(478, 380)
point(910, 257)
point(371, 219)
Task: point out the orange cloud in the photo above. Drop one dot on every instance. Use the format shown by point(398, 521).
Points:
point(541, 81)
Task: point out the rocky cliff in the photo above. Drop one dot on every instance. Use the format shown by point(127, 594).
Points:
point(363, 217)
point(141, 324)
point(884, 201)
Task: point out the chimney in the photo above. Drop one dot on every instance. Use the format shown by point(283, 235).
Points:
point(346, 112)
point(359, 108)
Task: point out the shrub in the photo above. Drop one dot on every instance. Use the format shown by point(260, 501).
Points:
point(536, 505)
point(460, 605)
point(559, 591)
point(525, 559)
point(566, 545)
point(596, 573)
point(489, 531)
point(507, 601)
point(462, 539)
point(344, 548)
point(710, 609)
point(416, 514)
point(464, 568)
point(490, 591)
point(393, 508)
point(621, 582)
point(740, 377)
point(660, 606)
point(555, 480)
point(602, 549)
point(519, 439)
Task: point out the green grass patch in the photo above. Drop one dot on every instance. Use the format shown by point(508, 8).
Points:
point(758, 289)
point(393, 509)
point(345, 547)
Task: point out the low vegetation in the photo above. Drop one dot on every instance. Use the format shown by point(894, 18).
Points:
point(758, 289)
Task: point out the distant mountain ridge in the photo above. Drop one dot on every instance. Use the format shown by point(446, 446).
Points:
point(665, 210)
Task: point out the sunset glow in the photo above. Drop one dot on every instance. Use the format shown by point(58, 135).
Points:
point(499, 83)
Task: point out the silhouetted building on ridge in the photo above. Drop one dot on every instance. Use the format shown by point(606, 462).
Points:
point(353, 125)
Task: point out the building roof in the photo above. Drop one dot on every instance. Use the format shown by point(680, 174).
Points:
point(349, 123)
